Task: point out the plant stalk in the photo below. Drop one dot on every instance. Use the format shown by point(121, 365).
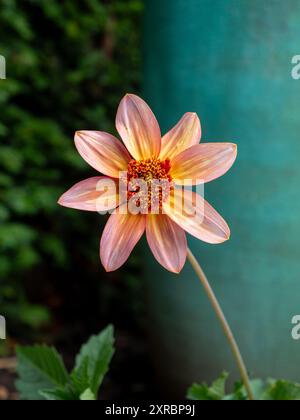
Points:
point(225, 326)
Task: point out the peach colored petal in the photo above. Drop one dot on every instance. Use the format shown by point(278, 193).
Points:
point(103, 152)
point(121, 234)
point(93, 194)
point(203, 163)
point(167, 242)
point(185, 134)
point(138, 128)
point(191, 212)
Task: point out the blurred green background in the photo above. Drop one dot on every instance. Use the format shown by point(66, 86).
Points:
point(68, 65)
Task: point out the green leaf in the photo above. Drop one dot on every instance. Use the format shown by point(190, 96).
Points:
point(57, 394)
point(39, 367)
point(93, 361)
point(217, 390)
point(80, 377)
point(271, 391)
point(204, 393)
point(198, 392)
point(87, 395)
point(282, 391)
point(43, 375)
point(239, 394)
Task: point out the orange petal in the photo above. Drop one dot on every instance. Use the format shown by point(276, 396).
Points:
point(185, 134)
point(191, 212)
point(138, 128)
point(121, 234)
point(103, 152)
point(93, 194)
point(203, 163)
point(167, 242)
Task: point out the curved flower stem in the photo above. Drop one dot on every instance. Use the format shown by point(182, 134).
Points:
point(227, 330)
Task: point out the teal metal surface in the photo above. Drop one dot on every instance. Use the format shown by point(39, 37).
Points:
point(230, 61)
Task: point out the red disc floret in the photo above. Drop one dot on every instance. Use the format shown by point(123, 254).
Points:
point(157, 175)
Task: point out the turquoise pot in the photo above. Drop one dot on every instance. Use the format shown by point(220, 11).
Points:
point(230, 61)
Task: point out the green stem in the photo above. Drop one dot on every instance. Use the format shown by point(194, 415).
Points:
point(225, 326)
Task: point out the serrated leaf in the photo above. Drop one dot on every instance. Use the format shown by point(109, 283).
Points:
point(87, 395)
point(80, 377)
point(215, 392)
point(198, 392)
point(282, 391)
point(270, 390)
point(39, 367)
point(95, 356)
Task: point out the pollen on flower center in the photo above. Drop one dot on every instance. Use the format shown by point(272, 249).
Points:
point(154, 175)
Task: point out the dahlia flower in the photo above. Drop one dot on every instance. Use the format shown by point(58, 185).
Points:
point(176, 158)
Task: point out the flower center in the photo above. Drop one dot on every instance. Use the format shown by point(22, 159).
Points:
point(150, 181)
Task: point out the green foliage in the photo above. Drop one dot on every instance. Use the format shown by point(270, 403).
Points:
point(270, 390)
point(93, 360)
point(43, 375)
point(68, 64)
point(39, 367)
point(282, 391)
point(205, 393)
point(87, 396)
